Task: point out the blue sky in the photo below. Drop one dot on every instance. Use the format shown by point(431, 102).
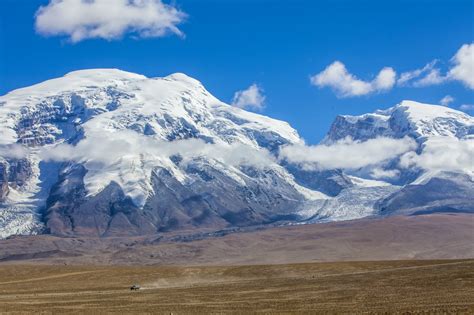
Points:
point(230, 45)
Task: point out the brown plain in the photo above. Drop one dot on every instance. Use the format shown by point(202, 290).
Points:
point(433, 286)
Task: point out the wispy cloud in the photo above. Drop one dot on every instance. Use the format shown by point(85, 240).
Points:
point(445, 101)
point(338, 78)
point(108, 19)
point(251, 98)
point(433, 77)
point(413, 77)
point(461, 69)
point(13, 151)
point(406, 77)
point(467, 107)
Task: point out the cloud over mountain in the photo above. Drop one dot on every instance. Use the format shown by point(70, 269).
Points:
point(347, 153)
point(109, 148)
point(442, 153)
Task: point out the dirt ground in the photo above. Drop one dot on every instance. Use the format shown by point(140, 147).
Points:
point(434, 286)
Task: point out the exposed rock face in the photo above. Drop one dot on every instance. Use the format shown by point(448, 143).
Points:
point(3, 179)
point(14, 173)
point(211, 200)
point(19, 172)
point(359, 127)
point(330, 182)
point(444, 192)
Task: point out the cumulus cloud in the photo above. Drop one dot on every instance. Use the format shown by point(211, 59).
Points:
point(108, 19)
point(385, 80)
point(337, 77)
point(345, 84)
point(442, 153)
point(252, 97)
point(346, 153)
point(463, 69)
point(445, 101)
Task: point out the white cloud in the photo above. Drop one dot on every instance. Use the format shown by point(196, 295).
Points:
point(426, 76)
point(463, 69)
point(108, 19)
point(347, 154)
point(406, 77)
point(433, 77)
point(129, 159)
point(467, 107)
point(337, 77)
point(445, 101)
point(252, 97)
point(108, 149)
point(13, 151)
point(442, 153)
point(345, 84)
point(380, 173)
point(385, 80)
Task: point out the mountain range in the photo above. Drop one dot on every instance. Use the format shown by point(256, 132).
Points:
point(104, 152)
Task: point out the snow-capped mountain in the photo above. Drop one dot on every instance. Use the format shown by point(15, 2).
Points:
point(417, 120)
point(438, 175)
point(110, 150)
point(106, 152)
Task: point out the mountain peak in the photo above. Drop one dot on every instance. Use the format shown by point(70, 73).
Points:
point(179, 76)
point(408, 118)
point(420, 111)
point(103, 73)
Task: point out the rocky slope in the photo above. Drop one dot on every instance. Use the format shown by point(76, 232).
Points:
point(105, 152)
